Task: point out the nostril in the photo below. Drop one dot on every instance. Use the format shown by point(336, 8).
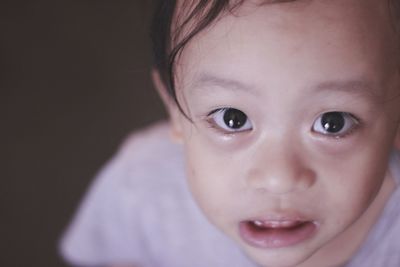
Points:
point(307, 180)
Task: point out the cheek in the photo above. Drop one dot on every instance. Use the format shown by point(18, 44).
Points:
point(211, 181)
point(354, 183)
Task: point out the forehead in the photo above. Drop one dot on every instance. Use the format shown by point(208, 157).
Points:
point(304, 37)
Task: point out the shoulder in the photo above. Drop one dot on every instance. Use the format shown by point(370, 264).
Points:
point(146, 166)
point(109, 224)
point(146, 158)
point(149, 145)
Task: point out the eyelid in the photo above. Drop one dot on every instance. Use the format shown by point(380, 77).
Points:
point(215, 111)
point(354, 119)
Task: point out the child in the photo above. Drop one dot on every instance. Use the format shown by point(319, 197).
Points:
point(285, 119)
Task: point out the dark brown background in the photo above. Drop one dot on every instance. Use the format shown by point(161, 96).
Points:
point(74, 81)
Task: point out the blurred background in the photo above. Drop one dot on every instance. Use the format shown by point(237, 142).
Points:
point(74, 81)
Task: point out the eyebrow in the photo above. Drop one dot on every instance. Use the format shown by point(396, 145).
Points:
point(205, 80)
point(357, 87)
point(365, 89)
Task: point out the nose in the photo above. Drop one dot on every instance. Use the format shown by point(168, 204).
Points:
point(280, 169)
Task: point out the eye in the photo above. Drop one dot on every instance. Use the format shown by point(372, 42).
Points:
point(230, 120)
point(336, 124)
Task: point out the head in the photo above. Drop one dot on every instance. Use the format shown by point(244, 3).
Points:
point(288, 112)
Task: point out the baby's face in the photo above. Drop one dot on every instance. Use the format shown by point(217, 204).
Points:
point(294, 113)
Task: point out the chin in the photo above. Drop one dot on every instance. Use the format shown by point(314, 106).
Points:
point(278, 258)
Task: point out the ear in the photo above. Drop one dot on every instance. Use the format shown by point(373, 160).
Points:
point(172, 108)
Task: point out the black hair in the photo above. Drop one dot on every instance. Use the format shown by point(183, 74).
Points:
point(168, 42)
point(166, 47)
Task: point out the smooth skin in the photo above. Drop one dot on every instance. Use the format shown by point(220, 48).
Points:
point(284, 66)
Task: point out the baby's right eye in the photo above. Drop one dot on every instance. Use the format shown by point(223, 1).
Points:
point(230, 120)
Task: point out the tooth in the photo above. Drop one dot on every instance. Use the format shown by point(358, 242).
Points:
point(276, 224)
point(258, 223)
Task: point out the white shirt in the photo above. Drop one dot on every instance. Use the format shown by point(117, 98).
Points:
point(139, 211)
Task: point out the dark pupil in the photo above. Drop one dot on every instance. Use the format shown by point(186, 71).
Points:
point(333, 122)
point(234, 118)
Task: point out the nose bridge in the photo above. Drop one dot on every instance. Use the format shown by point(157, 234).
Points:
point(280, 167)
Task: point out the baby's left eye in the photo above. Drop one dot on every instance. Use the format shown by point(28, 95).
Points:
point(335, 123)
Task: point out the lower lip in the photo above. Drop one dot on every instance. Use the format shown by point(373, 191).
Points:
point(276, 237)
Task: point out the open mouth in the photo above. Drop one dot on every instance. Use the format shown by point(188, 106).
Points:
point(276, 233)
